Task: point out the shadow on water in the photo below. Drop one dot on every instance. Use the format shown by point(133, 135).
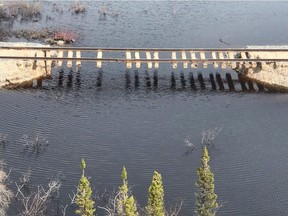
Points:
point(70, 79)
point(213, 81)
point(99, 78)
point(136, 79)
point(78, 78)
point(147, 79)
point(61, 78)
point(183, 80)
point(201, 81)
point(192, 81)
point(230, 82)
point(155, 79)
point(173, 81)
point(219, 81)
point(127, 79)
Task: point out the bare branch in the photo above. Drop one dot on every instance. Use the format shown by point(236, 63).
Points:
point(35, 203)
point(209, 135)
point(72, 201)
point(37, 143)
point(5, 194)
point(111, 204)
point(189, 144)
point(3, 138)
point(107, 210)
point(25, 178)
point(175, 209)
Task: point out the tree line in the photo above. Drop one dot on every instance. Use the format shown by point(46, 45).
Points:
point(124, 203)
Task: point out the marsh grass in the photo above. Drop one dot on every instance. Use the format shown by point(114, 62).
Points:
point(23, 9)
point(78, 8)
point(66, 35)
point(36, 144)
point(3, 138)
point(33, 34)
point(209, 135)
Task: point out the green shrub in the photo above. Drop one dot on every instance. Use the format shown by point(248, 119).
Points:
point(83, 197)
point(155, 205)
point(206, 199)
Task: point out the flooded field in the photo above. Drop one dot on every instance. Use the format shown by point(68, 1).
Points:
point(144, 128)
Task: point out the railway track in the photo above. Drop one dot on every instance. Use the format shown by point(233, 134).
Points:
point(151, 57)
point(267, 66)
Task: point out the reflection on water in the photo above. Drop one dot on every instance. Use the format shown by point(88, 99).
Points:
point(61, 77)
point(180, 80)
point(114, 117)
point(99, 78)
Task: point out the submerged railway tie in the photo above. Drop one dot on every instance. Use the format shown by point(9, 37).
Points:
point(151, 57)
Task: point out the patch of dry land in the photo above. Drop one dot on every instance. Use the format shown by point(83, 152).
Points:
point(273, 75)
point(16, 72)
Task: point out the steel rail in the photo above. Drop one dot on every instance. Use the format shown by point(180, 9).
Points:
point(140, 60)
point(107, 49)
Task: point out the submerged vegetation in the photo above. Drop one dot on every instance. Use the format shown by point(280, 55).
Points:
point(20, 11)
point(3, 138)
point(77, 8)
point(209, 135)
point(36, 144)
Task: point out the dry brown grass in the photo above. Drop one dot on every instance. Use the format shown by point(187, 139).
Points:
point(33, 34)
point(5, 194)
point(209, 135)
point(65, 35)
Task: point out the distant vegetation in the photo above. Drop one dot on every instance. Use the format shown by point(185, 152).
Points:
point(24, 10)
point(77, 8)
point(18, 11)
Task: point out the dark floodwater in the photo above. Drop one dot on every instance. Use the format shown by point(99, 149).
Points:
point(144, 129)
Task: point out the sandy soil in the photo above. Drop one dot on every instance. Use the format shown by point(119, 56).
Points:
point(16, 72)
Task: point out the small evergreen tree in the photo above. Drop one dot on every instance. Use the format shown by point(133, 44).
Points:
point(125, 204)
point(83, 197)
point(123, 193)
point(130, 207)
point(206, 199)
point(155, 205)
